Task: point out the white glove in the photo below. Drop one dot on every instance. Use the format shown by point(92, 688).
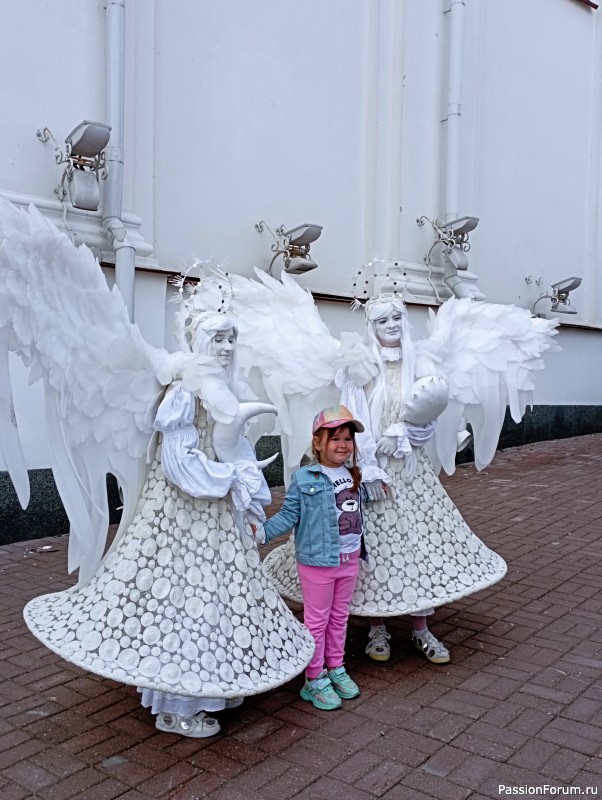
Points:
point(377, 489)
point(387, 445)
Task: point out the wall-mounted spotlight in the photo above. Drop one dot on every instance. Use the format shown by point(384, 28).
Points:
point(558, 295)
point(85, 163)
point(293, 245)
point(452, 236)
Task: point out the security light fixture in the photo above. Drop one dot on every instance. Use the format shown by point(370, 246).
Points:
point(87, 140)
point(85, 163)
point(293, 245)
point(452, 236)
point(558, 294)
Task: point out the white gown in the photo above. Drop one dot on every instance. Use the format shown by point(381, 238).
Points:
point(422, 554)
point(180, 604)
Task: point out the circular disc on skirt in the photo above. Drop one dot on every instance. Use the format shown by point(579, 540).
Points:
point(421, 552)
point(179, 604)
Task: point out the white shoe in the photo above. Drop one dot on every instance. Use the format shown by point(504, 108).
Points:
point(378, 647)
point(198, 727)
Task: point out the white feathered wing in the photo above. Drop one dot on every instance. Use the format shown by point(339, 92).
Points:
point(488, 353)
point(286, 346)
point(102, 381)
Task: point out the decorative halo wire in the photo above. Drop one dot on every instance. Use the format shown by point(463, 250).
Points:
point(209, 292)
point(376, 278)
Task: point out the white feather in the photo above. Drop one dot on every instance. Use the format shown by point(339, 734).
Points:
point(101, 379)
point(488, 354)
point(283, 336)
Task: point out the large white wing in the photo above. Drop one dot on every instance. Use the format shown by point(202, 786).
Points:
point(488, 353)
point(289, 354)
point(100, 377)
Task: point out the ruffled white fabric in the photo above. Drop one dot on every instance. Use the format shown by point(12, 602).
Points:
point(176, 704)
point(186, 466)
point(389, 353)
point(180, 604)
point(422, 553)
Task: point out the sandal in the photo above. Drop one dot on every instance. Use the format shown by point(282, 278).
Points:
point(430, 647)
point(198, 727)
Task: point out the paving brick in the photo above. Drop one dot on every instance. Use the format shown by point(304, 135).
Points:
point(104, 749)
point(259, 774)
point(168, 780)
point(565, 764)
point(282, 738)
point(574, 736)
point(534, 754)
point(473, 771)
point(445, 760)
point(483, 747)
point(202, 786)
point(289, 783)
point(223, 793)
point(144, 754)
point(19, 753)
point(519, 701)
point(382, 777)
point(258, 730)
point(211, 762)
point(78, 785)
point(30, 775)
point(434, 786)
point(61, 766)
point(127, 772)
point(492, 733)
point(12, 791)
point(323, 754)
point(328, 789)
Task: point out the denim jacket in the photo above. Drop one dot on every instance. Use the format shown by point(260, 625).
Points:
point(310, 508)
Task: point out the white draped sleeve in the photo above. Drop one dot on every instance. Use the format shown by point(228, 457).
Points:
point(409, 436)
point(354, 398)
point(188, 468)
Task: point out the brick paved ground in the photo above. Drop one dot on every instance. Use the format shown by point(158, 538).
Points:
point(519, 704)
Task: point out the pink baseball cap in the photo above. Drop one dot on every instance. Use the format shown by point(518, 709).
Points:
point(334, 417)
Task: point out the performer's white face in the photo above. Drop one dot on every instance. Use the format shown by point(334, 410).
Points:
point(224, 343)
point(388, 328)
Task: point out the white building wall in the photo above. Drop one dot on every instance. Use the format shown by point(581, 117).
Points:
point(329, 112)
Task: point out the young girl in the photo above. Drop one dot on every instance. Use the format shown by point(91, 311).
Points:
point(323, 504)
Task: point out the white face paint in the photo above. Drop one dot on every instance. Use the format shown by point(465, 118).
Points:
point(224, 343)
point(388, 328)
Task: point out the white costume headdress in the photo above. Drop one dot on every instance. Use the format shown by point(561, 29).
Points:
point(204, 303)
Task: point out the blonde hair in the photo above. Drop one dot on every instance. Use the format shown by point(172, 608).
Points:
point(324, 435)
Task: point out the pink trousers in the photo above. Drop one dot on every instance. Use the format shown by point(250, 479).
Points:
point(326, 597)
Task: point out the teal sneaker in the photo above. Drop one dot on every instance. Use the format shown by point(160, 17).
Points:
point(320, 693)
point(343, 685)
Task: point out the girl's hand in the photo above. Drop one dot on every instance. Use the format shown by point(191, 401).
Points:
point(258, 533)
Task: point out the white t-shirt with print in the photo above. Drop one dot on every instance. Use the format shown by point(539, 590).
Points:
point(348, 508)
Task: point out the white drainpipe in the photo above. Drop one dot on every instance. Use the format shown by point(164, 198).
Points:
point(454, 108)
point(125, 252)
point(452, 138)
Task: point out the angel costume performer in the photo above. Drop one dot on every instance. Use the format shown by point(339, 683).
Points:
point(422, 552)
point(179, 606)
